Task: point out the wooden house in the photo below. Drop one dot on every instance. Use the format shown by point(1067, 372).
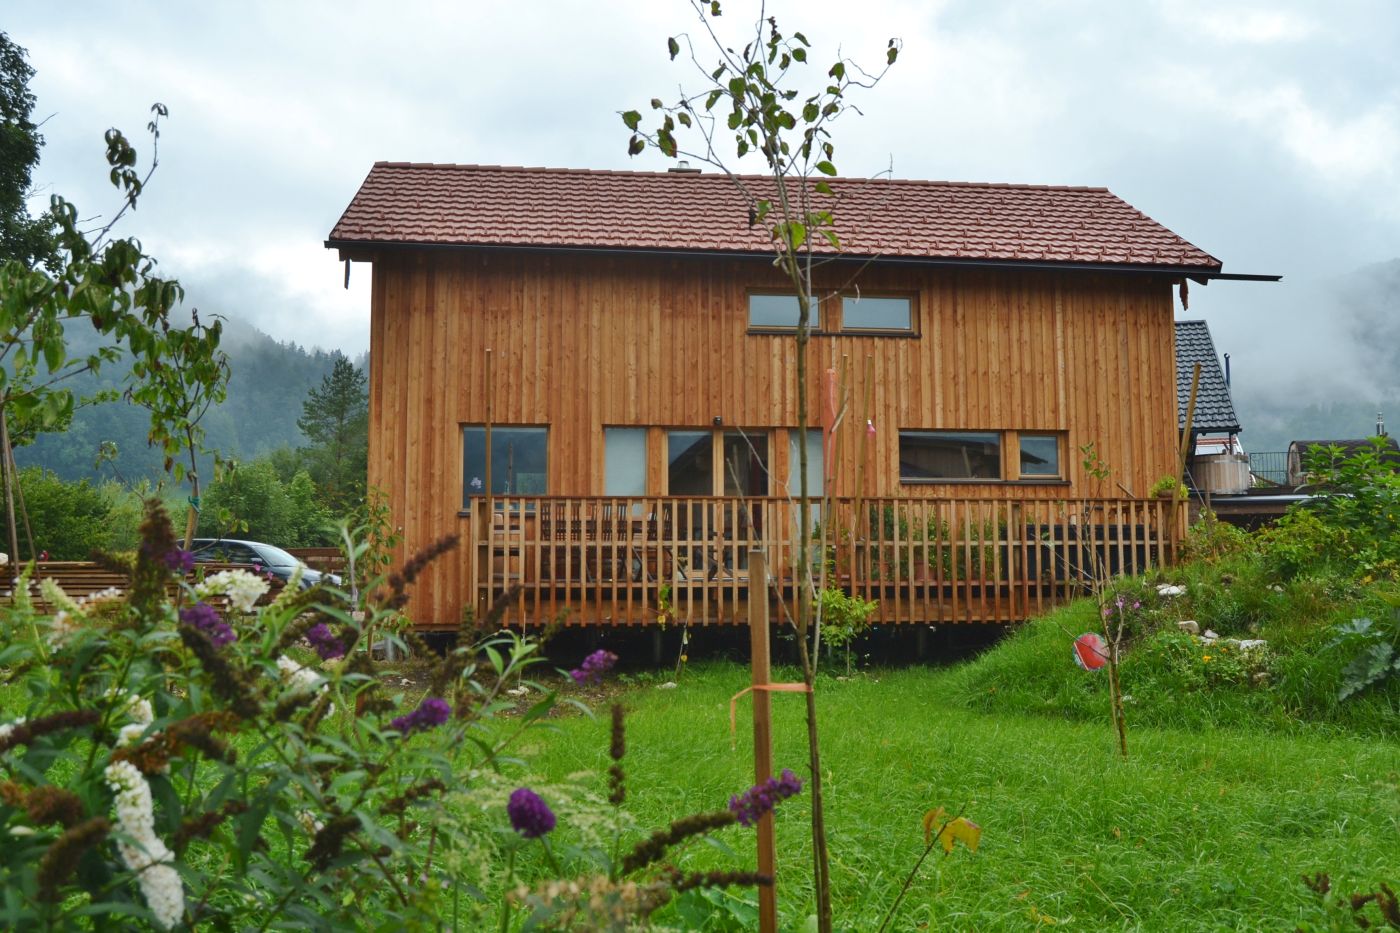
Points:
point(623, 345)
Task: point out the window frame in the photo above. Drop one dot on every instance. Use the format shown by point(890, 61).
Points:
point(926, 432)
point(718, 476)
point(1009, 447)
point(646, 457)
point(469, 497)
point(1024, 477)
point(911, 331)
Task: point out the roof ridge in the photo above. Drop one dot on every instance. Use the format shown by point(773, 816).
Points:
point(921, 182)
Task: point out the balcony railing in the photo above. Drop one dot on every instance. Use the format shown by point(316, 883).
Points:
point(1270, 466)
point(630, 561)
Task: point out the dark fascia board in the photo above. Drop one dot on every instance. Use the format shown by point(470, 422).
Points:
point(364, 251)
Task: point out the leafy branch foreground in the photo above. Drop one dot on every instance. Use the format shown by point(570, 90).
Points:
point(187, 757)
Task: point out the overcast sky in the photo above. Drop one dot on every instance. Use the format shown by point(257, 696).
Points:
point(1267, 133)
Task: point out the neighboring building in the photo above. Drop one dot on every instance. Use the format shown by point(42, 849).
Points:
point(625, 343)
point(1218, 464)
point(1298, 452)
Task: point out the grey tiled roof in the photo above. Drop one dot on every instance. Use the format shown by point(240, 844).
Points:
point(1215, 412)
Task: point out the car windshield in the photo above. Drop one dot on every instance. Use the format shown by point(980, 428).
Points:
point(275, 555)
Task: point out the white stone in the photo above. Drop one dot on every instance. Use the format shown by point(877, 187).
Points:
point(1170, 589)
point(1209, 637)
point(1248, 644)
point(668, 685)
point(1189, 626)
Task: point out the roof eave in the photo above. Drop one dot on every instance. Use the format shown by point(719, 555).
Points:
point(364, 250)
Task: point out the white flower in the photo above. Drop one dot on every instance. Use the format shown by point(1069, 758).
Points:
point(139, 709)
point(297, 678)
point(145, 854)
point(130, 734)
point(22, 830)
point(242, 588)
point(9, 727)
point(111, 592)
point(55, 596)
point(308, 822)
point(62, 628)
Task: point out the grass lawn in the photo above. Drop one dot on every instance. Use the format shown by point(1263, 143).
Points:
point(1198, 830)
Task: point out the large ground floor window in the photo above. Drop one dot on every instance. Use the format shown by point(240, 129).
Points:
point(985, 456)
point(519, 461)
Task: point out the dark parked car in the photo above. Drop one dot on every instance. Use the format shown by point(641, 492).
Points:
point(270, 559)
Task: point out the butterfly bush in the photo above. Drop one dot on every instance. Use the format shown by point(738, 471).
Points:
point(145, 853)
point(753, 803)
point(529, 815)
point(594, 667)
point(241, 588)
point(218, 772)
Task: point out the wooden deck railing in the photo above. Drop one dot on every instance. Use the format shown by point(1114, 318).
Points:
point(629, 561)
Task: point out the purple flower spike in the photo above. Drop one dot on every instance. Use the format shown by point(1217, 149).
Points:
point(432, 712)
point(762, 798)
point(179, 561)
point(593, 668)
point(529, 815)
point(206, 618)
point(326, 644)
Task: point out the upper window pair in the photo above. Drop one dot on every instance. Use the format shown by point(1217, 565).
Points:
point(869, 313)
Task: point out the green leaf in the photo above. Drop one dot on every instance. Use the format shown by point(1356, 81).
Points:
point(1367, 668)
point(683, 119)
point(636, 146)
point(673, 47)
point(838, 71)
point(656, 103)
point(714, 8)
point(632, 118)
point(831, 238)
point(799, 55)
point(822, 187)
point(826, 168)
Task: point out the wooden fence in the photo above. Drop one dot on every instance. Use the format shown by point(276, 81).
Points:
point(631, 561)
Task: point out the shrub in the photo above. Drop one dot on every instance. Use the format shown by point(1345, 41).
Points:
point(186, 761)
point(69, 520)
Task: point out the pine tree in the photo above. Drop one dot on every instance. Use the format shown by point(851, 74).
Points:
point(24, 238)
point(335, 419)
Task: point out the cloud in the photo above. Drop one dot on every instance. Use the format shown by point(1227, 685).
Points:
point(1268, 133)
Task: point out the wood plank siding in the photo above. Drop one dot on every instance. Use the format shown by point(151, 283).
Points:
point(580, 343)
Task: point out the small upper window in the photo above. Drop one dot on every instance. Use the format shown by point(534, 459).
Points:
point(1040, 455)
point(775, 311)
point(870, 313)
point(940, 455)
point(519, 461)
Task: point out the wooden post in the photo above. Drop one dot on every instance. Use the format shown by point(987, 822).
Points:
point(485, 565)
point(1181, 461)
point(762, 731)
point(10, 480)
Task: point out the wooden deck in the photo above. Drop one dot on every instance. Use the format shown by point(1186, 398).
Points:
point(637, 561)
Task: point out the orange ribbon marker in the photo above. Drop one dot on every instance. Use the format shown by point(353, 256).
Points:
point(770, 688)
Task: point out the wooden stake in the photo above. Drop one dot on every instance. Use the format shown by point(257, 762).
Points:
point(762, 732)
point(9, 491)
point(485, 566)
point(1185, 448)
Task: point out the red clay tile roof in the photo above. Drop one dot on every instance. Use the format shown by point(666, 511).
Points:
point(477, 205)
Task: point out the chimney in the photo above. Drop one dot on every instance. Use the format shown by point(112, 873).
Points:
point(683, 168)
point(1380, 425)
